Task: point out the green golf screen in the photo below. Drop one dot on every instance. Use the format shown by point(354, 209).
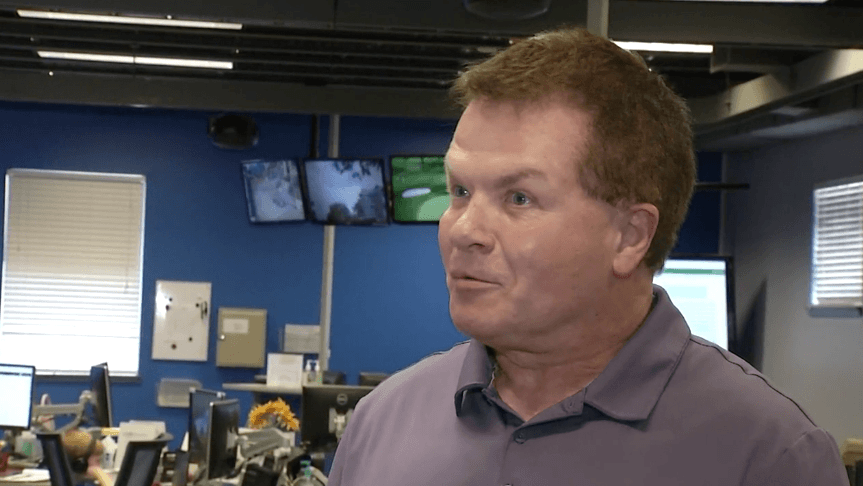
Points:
point(419, 188)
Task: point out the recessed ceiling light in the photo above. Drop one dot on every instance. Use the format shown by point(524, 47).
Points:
point(122, 19)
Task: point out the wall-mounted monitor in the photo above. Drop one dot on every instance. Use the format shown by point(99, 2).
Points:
point(346, 191)
point(702, 288)
point(16, 383)
point(419, 192)
point(273, 191)
point(100, 387)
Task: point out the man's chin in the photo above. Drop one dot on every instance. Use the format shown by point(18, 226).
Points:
point(485, 328)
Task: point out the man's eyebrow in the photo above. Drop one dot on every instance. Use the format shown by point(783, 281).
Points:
point(515, 177)
point(505, 180)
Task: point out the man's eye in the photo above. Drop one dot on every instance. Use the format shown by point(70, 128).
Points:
point(458, 191)
point(520, 199)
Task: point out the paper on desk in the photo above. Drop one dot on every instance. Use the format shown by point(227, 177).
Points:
point(285, 369)
point(27, 476)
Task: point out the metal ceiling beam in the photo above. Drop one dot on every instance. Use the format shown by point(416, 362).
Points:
point(219, 95)
point(633, 20)
point(748, 60)
point(597, 17)
point(809, 79)
point(736, 23)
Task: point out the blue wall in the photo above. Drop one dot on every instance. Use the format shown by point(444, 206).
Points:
point(389, 293)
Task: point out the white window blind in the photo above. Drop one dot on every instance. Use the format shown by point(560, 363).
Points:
point(72, 266)
point(837, 244)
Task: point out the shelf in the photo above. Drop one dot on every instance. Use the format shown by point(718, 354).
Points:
point(263, 388)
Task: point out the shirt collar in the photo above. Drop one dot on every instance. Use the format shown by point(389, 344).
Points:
point(629, 387)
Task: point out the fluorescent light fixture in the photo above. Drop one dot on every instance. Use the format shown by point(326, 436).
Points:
point(152, 61)
point(195, 63)
point(665, 47)
point(121, 19)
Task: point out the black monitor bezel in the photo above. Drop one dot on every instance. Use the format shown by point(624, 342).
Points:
point(307, 202)
point(301, 177)
point(100, 387)
point(391, 188)
point(215, 439)
point(316, 397)
point(198, 455)
point(16, 427)
point(52, 447)
point(733, 341)
point(130, 460)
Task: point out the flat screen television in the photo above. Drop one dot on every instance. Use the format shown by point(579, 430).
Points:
point(223, 443)
point(273, 191)
point(325, 412)
point(702, 288)
point(419, 192)
point(100, 387)
point(344, 191)
point(199, 421)
point(16, 383)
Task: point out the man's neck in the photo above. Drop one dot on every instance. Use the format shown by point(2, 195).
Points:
point(530, 381)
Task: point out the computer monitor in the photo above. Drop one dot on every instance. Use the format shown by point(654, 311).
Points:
point(100, 386)
point(273, 191)
point(140, 463)
point(16, 383)
point(199, 421)
point(59, 468)
point(223, 443)
point(346, 191)
point(326, 411)
point(419, 192)
point(702, 288)
point(371, 378)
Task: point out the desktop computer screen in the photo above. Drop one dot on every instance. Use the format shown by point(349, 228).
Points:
point(419, 192)
point(223, 443)
point(326, 411)
point(346, 191)
point(16, 383)
point(100, 386)
point(199, 421)
point(702, 288)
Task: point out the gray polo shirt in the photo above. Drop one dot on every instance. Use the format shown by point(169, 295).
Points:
point(669, 409)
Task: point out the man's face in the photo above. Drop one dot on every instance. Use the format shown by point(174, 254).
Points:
point(526, 252)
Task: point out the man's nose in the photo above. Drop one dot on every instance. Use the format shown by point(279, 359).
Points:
point(473, 227)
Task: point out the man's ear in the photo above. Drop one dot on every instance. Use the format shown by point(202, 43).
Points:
point(637, 225)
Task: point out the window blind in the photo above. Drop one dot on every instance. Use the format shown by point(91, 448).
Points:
point(837, 244)
point(72, 269)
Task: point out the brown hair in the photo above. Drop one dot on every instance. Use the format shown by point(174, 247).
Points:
point(641, 149)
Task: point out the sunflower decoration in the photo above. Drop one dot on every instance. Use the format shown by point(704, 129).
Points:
point(273, 413)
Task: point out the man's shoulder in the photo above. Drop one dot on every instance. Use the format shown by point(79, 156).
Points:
point(727, 386)
point(436, 373)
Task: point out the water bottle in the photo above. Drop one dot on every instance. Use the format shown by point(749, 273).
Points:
point(305, 478)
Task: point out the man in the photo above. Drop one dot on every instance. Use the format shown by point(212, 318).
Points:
point(570, 172)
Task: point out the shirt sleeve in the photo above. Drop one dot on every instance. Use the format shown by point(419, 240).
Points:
point(812, 460)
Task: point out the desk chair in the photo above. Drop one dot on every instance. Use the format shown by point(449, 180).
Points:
point(138, 469)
